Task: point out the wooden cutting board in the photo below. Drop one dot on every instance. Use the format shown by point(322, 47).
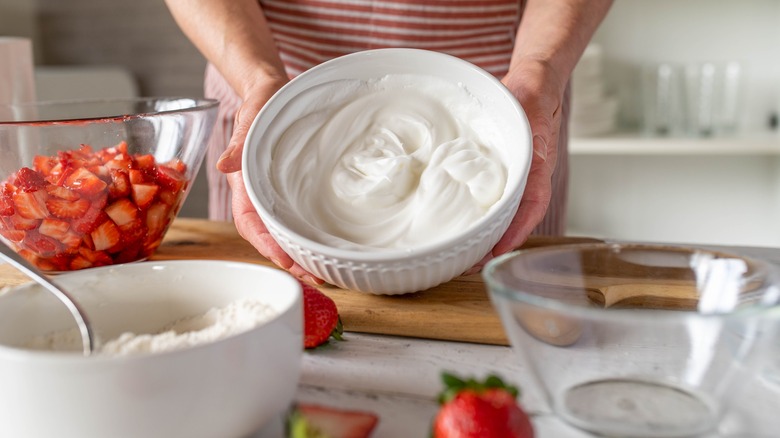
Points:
point(459, 310)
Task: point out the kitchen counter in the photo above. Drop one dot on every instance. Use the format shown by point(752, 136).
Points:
point(396, 375)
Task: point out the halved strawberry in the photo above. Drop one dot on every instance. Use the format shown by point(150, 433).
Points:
point(105, 236)
point(85, 182)
point(63, 208)
point(311, 420)
point(122, 211)
point(143, 194)
point(54, 228)
point(29, 180)
point(31, 205)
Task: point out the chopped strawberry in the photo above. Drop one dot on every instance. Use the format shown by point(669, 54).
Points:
point(105, 236)
point(62, 193)
point(143, 194)
point(145, 163)
point(79, 262)
point(157, 218)
point(7, 199)
point(94, 257)
point(120, 184)
point(122, 211)
point(63, 208)
point(170, 178)
point(310, 420)
point(55, 228)
point(177, 165)
point(71, 240)
point(44, 164)
point(130, 253)
point(80, 208)
point(31, 205)
point(12, 234)
point(133, 231)
point(136, 176)
point(170, 197)
point(18, 222)
point(29, 180)
point(40, 245)
point(86, 223)
point(85, 182)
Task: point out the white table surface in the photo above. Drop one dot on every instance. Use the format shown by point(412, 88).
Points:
point(398, 379)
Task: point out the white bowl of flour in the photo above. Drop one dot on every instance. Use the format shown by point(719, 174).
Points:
point(185, 349)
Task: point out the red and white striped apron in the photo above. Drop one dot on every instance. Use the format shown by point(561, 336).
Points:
point(309, 32)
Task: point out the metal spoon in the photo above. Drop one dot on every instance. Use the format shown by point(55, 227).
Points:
point(23, 265)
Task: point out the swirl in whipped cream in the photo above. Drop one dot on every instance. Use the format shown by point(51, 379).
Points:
point(398, 162)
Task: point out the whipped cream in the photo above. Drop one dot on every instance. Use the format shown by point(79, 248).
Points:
point(398, 162)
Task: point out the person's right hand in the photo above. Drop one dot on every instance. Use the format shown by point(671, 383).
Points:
point(248, 223)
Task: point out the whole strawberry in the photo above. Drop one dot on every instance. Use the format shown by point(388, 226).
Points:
point(320, 317)
point(488, 409)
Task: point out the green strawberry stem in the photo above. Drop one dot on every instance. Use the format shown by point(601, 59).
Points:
point(454, 384)
point(338, 331)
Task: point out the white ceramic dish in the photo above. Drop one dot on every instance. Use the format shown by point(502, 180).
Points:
point(407, 269)
point(229, 388)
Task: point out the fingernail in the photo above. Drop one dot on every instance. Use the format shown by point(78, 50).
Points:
point(226, 155)
point(309, 279)
point(540, 147)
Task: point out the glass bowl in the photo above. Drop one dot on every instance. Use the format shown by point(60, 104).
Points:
point(97, 182)
point(635, 340)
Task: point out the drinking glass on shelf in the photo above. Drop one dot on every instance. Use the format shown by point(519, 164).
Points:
point(713, 94)
point(662, 103)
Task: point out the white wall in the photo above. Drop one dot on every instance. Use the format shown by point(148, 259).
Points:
point(696, 197)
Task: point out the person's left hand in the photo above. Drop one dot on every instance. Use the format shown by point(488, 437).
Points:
point(539, 89)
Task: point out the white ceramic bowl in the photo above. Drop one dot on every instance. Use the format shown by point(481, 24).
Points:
point(227, 388)
point(389, 271)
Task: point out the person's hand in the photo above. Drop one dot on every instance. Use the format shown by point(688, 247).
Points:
point(248, 223)
point(540, 92)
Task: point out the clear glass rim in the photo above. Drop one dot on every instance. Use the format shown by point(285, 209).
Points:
point(494, 286)
point(198, 104)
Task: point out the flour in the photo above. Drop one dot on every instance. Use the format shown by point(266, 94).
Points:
point(217, 323)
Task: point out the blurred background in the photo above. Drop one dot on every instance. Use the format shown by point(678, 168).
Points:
point(674, 119)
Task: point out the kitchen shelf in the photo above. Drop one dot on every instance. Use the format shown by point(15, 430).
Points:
point(764, 143)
